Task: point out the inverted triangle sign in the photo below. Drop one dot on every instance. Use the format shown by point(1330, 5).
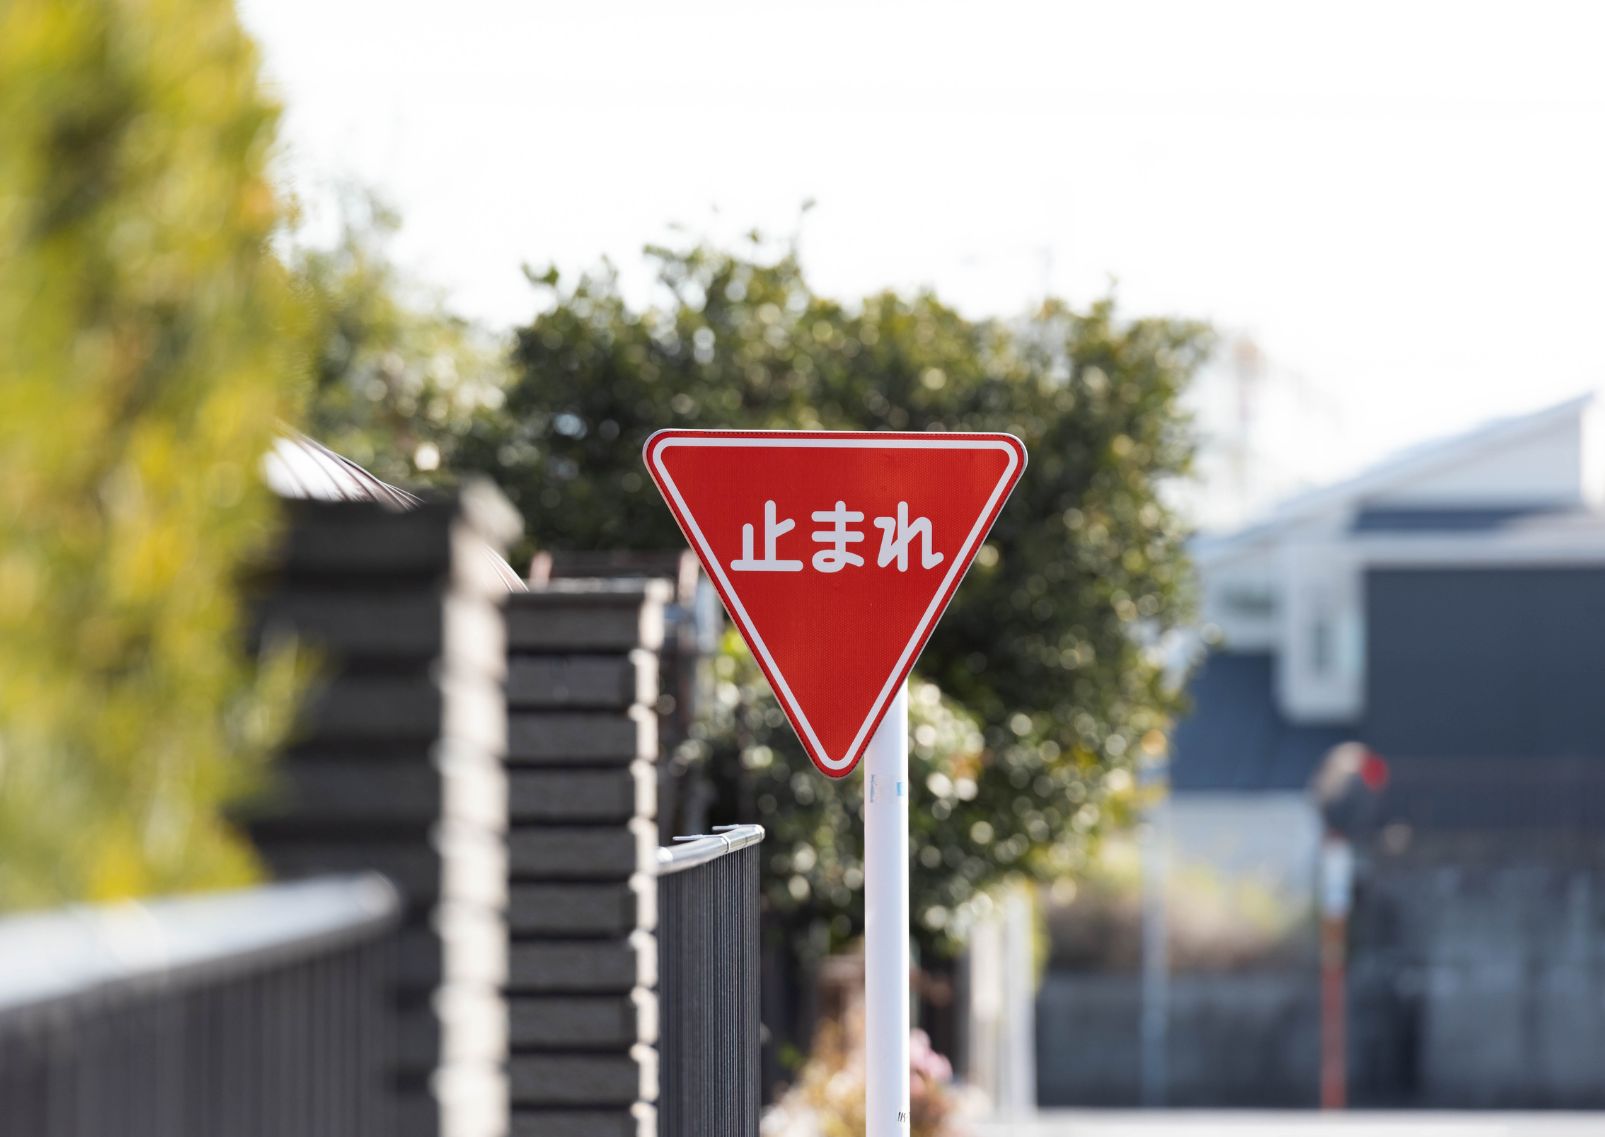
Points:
point(835, 553)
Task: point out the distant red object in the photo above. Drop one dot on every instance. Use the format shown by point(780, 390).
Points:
point(1374, 771)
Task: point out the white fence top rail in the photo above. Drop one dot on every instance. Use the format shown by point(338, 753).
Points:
point(704, 847)
point(70, 952)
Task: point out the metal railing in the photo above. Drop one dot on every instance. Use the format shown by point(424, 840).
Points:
point(259, 1013)
point(708, 984)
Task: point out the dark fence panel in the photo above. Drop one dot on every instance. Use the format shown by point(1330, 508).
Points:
point(708, 959)
point(1234, 1039)
point(1477, 973)
point(256, 1014)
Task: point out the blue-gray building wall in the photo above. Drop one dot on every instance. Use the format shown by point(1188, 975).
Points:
point(1504, 663)
point(1233, 736)
point(1477, 941)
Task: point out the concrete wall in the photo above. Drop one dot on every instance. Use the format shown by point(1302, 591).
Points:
point(1268, 841)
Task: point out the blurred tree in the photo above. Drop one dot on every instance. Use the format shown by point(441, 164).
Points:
point(814, 864)
point(1048, 647)
point(398, 377)
point(147, 349)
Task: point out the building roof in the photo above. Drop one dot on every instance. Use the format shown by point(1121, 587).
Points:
point(1393, 473)
point(1235, 739)
point(1445, 519)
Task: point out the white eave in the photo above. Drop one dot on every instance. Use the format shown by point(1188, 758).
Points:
point(1396, 474)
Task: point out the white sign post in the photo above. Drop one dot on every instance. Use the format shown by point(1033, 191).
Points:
point(886, 957)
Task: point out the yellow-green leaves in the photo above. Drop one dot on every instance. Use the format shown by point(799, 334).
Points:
point(148, 348)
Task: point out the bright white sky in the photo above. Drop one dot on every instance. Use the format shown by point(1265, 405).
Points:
point(1403, 202)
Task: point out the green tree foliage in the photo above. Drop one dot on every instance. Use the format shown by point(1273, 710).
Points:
point(145, 357)
point(814, 867)
point(1046, 647)
point(398, 377)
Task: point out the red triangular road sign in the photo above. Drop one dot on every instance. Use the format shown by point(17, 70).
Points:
point(835, 553)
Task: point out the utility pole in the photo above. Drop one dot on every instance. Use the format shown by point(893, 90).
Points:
point(1337, 886)
point(1154, 781)
point(1347, 790)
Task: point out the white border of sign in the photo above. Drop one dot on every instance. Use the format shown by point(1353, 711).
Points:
point(1011, 450)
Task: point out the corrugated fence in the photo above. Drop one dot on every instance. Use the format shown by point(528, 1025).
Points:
point(253, 1014)
point(708, 985)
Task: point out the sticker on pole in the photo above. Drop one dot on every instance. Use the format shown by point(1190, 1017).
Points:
point(835, 553)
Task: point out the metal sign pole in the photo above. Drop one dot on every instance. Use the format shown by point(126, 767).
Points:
point(886, 924)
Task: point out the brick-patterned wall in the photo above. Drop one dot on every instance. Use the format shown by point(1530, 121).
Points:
point(582, 743)
point(397, 767)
